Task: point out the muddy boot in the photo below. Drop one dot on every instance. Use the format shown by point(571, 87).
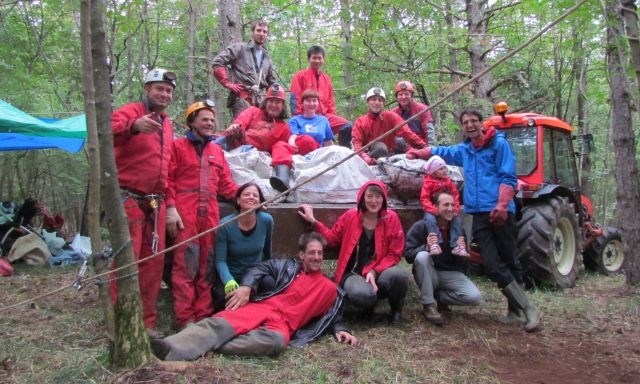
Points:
point(280, 182)
point(514, 293)
point(395, 315)
point(514, 314)
point(344, 136)
point(430, 312)
point(194, 341)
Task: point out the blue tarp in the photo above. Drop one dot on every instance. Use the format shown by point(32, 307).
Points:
point(20, 131)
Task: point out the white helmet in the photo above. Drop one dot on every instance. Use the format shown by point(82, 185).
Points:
point(159, 74)
point(375, 91)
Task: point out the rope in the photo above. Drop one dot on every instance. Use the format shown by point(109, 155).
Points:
point(333, 166)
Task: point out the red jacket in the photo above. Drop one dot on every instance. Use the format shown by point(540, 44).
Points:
point(195, 181)
point(432, 185)
point(389, 237)
point(319, 81)
point(142, 159)
point(419, 125)
point(370, 126)
point(260, 132)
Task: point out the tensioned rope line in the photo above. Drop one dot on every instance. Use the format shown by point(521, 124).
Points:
point(335, 165)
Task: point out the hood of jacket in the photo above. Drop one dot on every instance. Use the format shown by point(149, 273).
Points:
point(360, 197)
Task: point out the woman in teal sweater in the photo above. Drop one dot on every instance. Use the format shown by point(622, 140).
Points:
point(241, 243)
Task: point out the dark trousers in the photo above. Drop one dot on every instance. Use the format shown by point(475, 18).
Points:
point(498, 249)
point(392, 284)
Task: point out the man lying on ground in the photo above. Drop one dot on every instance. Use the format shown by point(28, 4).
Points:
point(293, 303)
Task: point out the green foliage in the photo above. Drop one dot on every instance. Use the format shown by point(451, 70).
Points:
point(390, 39)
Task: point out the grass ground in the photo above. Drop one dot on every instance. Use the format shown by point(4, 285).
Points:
point(589, 334)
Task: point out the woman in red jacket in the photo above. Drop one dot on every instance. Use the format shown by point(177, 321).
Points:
point(371, 241)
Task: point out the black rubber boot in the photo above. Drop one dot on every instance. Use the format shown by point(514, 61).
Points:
point(280, 182)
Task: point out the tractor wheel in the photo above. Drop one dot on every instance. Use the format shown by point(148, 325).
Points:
point(548, 242)
point(605, 254)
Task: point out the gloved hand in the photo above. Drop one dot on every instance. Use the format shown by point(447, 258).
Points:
point(368, 159)
point(422, 153)
point(221, 75)
point(500, 213)
point(230, 286)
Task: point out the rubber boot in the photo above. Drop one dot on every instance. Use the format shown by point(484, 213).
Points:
point(514, 314)
point(516, 294)
point(280, 182)
point(395, 316)
point(344, 135)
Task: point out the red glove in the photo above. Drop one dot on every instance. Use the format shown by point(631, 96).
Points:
point(368, 159)
point(423, 153)
point(220, 73)
point(500, 213)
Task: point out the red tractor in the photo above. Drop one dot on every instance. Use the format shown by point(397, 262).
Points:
point(556, 230)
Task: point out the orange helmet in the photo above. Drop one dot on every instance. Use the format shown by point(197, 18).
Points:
point(403, 85)
point(195, 107)
point(275, 91)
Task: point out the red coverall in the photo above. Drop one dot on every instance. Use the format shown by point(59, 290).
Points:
point(419, 125)
point(308, 296)
point(321, 82)
point(197, 175)
point(369, 126)
point(271, 135)
point(143, 164)
point(430, 186)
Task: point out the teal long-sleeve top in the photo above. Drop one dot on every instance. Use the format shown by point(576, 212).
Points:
point(237, 251)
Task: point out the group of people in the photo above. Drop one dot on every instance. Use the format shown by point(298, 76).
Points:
point(229, 294)
point(245, 69)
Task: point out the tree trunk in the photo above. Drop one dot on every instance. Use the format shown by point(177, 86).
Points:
point(626, 169)
point(630, 14)
point(230, 23)
point(93, 153)
point(131, 343)
point(347, 52)
point(453, 62)
point(478, 46)
point(579, 71)
point(230, 31)
point(191, 56)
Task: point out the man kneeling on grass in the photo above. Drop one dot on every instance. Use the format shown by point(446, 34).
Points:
point(286, 295)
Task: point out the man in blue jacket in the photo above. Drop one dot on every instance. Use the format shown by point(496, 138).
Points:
point(489, 186)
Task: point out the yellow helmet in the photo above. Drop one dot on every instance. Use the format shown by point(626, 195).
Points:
point(195, 107)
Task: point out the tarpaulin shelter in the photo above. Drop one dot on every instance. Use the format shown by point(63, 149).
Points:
point(20, 131)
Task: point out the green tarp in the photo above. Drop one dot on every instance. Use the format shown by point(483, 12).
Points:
point(21, 131)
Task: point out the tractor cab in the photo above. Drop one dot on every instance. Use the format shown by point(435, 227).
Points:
point(545, 157)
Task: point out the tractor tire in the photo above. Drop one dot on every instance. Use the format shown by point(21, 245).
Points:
point(605, 254)
point(549, 242)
